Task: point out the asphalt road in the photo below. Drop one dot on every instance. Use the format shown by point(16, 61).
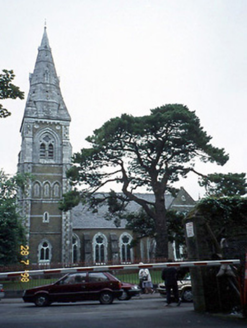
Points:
point(145, 312)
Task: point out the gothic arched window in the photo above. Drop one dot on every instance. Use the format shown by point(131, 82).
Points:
point(151, 247)
point(125, 249)
point(100, 248)
point(36, 189)
point(50, 151)
point(75, 248)
point(44, 252)
point(56, 190)
point(46, 150)
point(46, 190)
point(42, 150)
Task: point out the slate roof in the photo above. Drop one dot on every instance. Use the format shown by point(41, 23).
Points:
point(83, 218)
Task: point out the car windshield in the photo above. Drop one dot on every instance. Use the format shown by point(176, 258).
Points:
point(187, 277)
point(113, 277)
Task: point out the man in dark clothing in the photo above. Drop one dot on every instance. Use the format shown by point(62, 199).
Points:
point(169, 275)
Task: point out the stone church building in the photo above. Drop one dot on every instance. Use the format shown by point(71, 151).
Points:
point(78, 236)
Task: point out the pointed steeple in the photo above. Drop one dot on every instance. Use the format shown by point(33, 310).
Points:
point(45, 100)
point(45, 41)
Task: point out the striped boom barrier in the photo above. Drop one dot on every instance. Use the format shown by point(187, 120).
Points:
point(118, 267)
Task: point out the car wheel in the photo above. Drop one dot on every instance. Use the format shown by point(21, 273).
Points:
point(124, 297)
point(187, 295)
point(106, 298)
point(41, 300)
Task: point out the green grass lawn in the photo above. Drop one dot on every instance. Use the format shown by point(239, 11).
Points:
point(18, 285)
point(134, 279)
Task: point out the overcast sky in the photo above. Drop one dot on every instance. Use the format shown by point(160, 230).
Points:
point(131, 56)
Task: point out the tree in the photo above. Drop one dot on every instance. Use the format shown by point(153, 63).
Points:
point(8, 90)
point(226, 216)
point(220, 185)
point(12, 233)
point(151, 152)
point(144, 226)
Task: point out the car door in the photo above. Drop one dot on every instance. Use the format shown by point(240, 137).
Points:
point(80, 287)
point(61, 290)
point(96, 282)
point(69, 289)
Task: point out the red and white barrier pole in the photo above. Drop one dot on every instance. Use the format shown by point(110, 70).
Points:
point(119, 267)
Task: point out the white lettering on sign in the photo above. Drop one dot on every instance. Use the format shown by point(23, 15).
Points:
point(190, 229)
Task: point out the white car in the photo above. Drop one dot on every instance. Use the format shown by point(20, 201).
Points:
point(184, 288)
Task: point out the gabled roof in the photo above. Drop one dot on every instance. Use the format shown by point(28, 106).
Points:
point(84, 218)
point(44, 99)
point(183, 202)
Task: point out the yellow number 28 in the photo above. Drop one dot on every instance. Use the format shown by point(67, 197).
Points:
point(24, 250)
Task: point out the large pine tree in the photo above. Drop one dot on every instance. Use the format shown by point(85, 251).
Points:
point(151, 152)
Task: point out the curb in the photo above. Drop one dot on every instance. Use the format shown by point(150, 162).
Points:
point(16, 297)
point(13, 293)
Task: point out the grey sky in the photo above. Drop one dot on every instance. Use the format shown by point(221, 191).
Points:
point(117, 57)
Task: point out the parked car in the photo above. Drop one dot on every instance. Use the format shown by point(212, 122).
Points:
point(77, 287)
point(2, 294)
point(184, 287)
point(129, 290)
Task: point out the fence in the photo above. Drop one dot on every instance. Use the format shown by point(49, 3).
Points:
point(20, 280)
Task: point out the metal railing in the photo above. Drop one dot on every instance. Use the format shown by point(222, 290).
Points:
point(21, 280)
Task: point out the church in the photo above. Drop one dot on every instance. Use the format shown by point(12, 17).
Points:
point(78, 236)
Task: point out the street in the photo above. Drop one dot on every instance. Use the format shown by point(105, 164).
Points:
point(142, 312)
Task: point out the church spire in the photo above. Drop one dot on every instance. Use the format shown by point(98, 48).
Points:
point(45, 41)
point(45, 100)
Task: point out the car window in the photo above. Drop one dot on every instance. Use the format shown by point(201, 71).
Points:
point(69, 280)
point(187, 277)
point(74, 279)
point(79, 278)
point(97, 276)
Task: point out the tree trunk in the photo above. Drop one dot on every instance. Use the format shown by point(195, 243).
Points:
point(161, 230)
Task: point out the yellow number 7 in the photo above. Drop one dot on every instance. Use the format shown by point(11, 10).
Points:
point(25, 262)
point(24, 248)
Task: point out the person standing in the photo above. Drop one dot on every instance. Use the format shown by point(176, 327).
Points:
point(169, 275)
point(146, 281)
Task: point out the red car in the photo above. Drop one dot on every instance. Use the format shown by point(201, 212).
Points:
point(129, 290)
point(77, 287)
point(1, 292)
